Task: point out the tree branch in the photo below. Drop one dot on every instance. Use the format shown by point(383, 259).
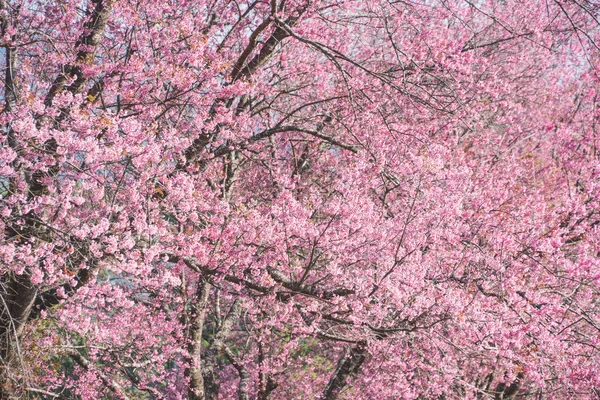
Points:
point(243, 386)
point(348, 366)
point(268, 48)
point(211, 386)
point(199, 306)
point(89, 40)
point(110, 383)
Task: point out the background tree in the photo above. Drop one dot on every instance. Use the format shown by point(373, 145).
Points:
point(299, 199)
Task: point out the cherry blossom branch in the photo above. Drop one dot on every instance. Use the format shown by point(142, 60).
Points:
point(252, 42)
point(278, 276)
point(266, 382)
point(292, 128)
point(348, 366)
point(50, 298)
point(216, 347)
point(110, 383)
point(243, 386)
point(92, 36)
point(226, 149)
point(88, 42)
point(198, 315)
point(333, 55)
point(268, 48)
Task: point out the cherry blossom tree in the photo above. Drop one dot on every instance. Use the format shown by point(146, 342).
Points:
point(299, 199)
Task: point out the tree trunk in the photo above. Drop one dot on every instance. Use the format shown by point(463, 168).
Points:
point(196, 389)
point(347, 366)
point(17, 295)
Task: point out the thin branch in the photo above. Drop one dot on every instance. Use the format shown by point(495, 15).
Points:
point(110, 383)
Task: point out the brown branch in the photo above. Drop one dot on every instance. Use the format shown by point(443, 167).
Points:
point(237, 68)
point(270, 386)
point(240, 71)
point(504, 392)
point(304, 288)
point(244, 385)
point(42, 392)
point(348, 366)
point(89, 40)
point(10, 87)
point(269, 47)
point(312, 132)
point(278, 276)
